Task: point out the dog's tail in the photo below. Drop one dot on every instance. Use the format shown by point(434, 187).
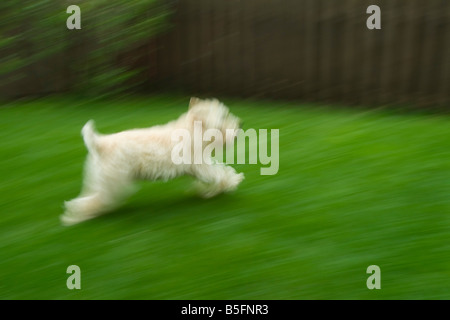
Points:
point(90, 136)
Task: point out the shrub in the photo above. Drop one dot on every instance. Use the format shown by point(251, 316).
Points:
point(36, 29)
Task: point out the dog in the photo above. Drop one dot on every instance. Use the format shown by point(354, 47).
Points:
point(117, 160)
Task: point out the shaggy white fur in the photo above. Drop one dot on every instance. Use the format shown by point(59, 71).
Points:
point(116, 160)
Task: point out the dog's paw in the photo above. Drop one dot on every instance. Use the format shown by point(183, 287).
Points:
point(68, 219)
point(72, 215)
point(234, 181)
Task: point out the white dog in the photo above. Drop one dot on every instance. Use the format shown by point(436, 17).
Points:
point(116, 160)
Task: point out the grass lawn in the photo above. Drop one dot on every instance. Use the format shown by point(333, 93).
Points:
point(355, 188)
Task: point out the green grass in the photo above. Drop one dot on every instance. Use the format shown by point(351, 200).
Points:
point(355, 188)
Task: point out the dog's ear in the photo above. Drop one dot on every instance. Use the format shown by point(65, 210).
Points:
point(193, 102)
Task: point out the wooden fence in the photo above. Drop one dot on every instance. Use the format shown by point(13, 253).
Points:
point(315, 50)
point(311, 50)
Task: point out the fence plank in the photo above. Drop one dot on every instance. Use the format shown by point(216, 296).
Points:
point(328, 35)
point(219, 63)
point(311, 49)
point(295, 67)
point(444, 81)
point(234, 47)
point(248, 73)
point(432, 54)
point(204, 55)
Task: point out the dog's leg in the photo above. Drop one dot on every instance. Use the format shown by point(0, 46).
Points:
point(104, 189)
point(216, 178)
point(84, 208)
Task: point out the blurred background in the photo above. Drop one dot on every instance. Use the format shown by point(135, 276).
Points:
point(357, 186)
point(306, 50)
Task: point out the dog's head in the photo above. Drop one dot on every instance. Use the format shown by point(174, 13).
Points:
point(214, 115)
